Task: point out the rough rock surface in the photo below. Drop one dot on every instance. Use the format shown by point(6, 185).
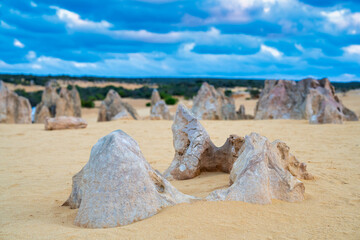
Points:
point(195, 152)
point(66, 103)
point(241, 115)
point(113, 108)
point(13, 108)
point(264, 171)
point(310, 99)
point(118, 186)
point(64, 122)
point(155, 97)
point(212, 104)
point(159, 109)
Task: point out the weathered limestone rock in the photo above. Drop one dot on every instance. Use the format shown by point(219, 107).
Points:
point(64, 122)
point(264, 171)
point(212, 104)
point(13, 108)
point(310, 99)
point(42, 112)
point(113, 108)
point(66, 103)
point(195, 152)
point(241, 115)
point(159, 109)
point(155, 97)
point(118, 186)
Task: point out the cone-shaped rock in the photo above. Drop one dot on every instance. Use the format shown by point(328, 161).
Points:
point(310, 99)
point(195, 152)
point(13, 108)
point(66, 103)
point(159, 109)
point(210, 104)
point(113, 108)
point(264, 171)
point(155, 97)
point(64, 122)
point(118, 186)
point(241, 115)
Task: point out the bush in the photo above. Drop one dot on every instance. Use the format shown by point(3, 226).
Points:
point(228, 93)
point(171, 101)
point(87, 103)
point(254, 93)
point(148, 104)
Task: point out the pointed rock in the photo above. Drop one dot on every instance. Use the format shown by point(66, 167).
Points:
point(310, 99)
point(66, 103)
point(210, 104)
point(155, 97)
point(113, 108)
point(241, 115)
point(13, 108)
point(118, 186)
point(263, 171)
point(195, 152)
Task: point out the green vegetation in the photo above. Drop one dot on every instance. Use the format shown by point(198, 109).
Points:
point(254, 93)
point(171, 101)
point(148, 104)
point(34, 97)
point(228, 92)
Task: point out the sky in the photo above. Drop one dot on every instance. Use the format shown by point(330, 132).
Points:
point(267, 39)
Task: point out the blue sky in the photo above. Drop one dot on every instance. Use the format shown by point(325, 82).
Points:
point(289, 39)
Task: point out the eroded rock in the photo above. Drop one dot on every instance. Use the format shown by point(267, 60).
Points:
point(64, 122)
point(264, 171)
point(241, 115)
point(212, 104)
point(118, 186)
point(13, 108)
point(66, 103)
point(159, 109)
point(113, 108)
point(195, 152)
point(310, 99)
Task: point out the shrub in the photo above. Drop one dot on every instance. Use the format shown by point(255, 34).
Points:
point(87, 103)
point(228, 93)
point(148, 104)
point(171, 101)
point(254, 93)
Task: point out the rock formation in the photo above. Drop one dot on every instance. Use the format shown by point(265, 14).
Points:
point(64, 122)
point(113, 108)
point(264, 171)
point(310, 99)
point(241, 115)
point(118, 186)
point(13, 108)
point(66, 103)
point(195, 152)
point(212, 104)
point(159, 110)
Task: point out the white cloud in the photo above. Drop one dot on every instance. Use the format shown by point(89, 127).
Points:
point(33, 4)
point(342, 19)
point(74, 21)
point(31, 55)
point(5, 25)
point(352, 49)
point(18, 44)
point(299, 47)
point(273, 51)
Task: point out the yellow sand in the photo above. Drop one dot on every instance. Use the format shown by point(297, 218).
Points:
point(36, 167)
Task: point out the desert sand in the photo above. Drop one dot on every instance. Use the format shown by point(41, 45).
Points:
point(36, 168)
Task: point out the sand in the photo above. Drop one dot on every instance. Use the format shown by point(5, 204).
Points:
point(36, 167)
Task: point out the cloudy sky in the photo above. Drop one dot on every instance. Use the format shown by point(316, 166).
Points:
point(290, 39)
